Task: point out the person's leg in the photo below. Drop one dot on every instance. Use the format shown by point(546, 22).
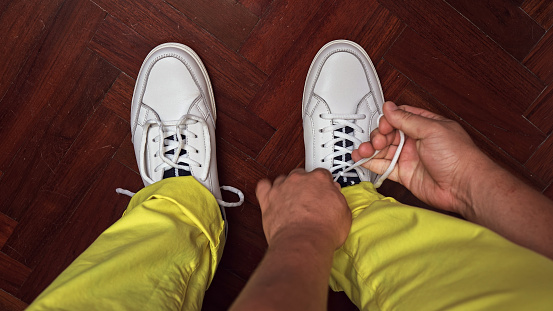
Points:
point(164, 251)
point(161, 255)
point(399, 257)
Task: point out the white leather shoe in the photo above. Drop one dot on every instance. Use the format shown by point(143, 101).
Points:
point(173, 119)
point(342, 101)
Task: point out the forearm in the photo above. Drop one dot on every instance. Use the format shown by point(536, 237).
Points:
point(506, 205)
point(293, 275)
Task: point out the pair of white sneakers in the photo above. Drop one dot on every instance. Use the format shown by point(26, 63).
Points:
point(173, 115)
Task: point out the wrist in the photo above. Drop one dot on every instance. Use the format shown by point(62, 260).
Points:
point(489, 181)
point(476, 184)
point(302, 241)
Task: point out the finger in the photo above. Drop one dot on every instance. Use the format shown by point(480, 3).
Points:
point(379, 166)
point(384, 126)
point(323, 171)
point(279, 180)
point(338, 185)
point(379, 140)
point(422, 112)
point(261, 192)
point(365, 150)
point(413, 125)
point(298, 170)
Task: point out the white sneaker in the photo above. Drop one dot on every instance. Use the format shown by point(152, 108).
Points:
point(342, 103)
point(173, 119)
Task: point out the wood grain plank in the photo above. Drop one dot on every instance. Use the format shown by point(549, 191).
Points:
point(77, 91)
point(126, 156)
point(540, 59)
point(339, 301)
point(373, 27)
point(541, 112)
point(12, 273)
point(392, 81)
point(278, 31)
point(517, 2)
point(121, 46)
point(6, 228)
point(504, 22)
point(257, 7)
point(3, 6)
point(222, 292)
point(548, 192)
point(471, 49)
point(11, 303)
point(40, 79)
point(227, 20)
point(238, 170)
point(99, 209)
point(415, 96)
point(169, 25)
point(24, 25)
point(465, 95)
point(540, 163)
point(285, 151)
point(248, 218)
point(59, 197)
point(540, 10)
point(119, 97)
point(238, 126)
point(243, 252)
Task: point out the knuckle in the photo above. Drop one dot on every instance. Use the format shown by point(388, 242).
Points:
point(321, 173)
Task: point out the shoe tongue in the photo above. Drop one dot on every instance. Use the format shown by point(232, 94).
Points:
point(345, 181)
point(176, 172)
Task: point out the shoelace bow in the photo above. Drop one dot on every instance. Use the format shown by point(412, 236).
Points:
point(343, 168)
point(174, 153)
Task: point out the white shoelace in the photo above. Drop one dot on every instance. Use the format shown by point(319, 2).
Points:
point(166, 145)
point(341, 121)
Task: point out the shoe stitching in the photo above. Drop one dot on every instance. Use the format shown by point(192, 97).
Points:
point(319, 68)
point(148, 110)
point(320, 101)
point(152, 64)
point(365, 99)
point(198, 99)
point(205, 142)
point(374, 113)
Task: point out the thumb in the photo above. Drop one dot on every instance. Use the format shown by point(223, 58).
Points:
point(261, 192)
point(413, 125)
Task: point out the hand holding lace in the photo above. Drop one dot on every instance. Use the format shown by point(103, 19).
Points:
point(438, 159)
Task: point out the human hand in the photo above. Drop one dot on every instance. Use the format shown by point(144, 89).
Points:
point(306, 206)
point(438, 161)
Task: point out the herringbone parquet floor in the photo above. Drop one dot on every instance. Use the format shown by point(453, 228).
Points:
point(68, 68)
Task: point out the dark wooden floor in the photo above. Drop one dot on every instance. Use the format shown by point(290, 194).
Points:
point(68, 68)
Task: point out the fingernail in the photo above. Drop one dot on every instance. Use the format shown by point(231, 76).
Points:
point(392, 106)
